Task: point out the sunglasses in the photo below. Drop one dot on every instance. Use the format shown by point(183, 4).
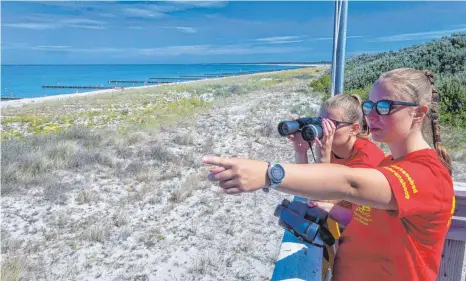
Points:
point(383, 107)
point(340, 122)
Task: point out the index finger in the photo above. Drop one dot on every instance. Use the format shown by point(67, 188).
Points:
point(218, 161)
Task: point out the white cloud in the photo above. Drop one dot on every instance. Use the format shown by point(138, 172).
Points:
point(42, 23)
point(186, 29)
point(353, 37)
point(277, 38)
point(321, 38)
point(145, 13)
point(53, 47)
point(295, 39)
point(174, 6)
point(281, 39)
point(99, 50)
point(417, 35)
point(14, 46)
point(216, 50)
point(81, 21)
point(197, 50)
point(285, 42)
point(205, 4)
point(38, 26)
point(458, 25)
point(87, 26)
point(331, 38)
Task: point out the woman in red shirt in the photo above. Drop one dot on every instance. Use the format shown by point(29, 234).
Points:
point(345, 138)
point(345, 141)
point(398, 228)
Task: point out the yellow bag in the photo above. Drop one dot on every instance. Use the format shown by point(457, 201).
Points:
point(335, 230)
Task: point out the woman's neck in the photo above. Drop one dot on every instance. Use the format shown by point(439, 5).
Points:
point(413, 142)
point(345, 150)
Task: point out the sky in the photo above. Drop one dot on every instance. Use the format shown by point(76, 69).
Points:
point(110, 32)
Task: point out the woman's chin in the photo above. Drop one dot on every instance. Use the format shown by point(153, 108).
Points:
point(376, 136)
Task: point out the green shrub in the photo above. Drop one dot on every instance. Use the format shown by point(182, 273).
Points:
point(322, 84)
point(446, 57)
point(452, 89)
point(363, 93)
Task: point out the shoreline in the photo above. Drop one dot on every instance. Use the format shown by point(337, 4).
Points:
point(35, 100)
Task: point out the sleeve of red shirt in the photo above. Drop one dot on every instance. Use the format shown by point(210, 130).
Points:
point(416, 190)
point(367, 156)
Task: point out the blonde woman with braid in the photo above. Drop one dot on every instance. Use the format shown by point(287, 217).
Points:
point(404, 206)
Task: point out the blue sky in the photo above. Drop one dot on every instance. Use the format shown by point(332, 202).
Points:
point(68, 32)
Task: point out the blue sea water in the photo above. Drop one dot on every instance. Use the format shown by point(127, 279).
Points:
point(26, 81)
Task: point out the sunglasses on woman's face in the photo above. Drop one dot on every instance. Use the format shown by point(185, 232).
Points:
point(383, 107)
point(340, 122)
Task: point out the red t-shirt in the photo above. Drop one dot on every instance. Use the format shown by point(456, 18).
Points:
point(365, 155)
point(403, 245)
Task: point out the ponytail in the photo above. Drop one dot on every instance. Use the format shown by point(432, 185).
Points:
point(434, 117)
point(364, 127)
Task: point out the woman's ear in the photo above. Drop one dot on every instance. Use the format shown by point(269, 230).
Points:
point(420, 113)
point(355, 129)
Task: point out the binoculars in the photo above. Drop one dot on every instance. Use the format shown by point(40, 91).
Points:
point(310, 127)
point(305, 223)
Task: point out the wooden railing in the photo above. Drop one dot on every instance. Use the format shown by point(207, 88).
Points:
point(453, 250)
point(301, 261)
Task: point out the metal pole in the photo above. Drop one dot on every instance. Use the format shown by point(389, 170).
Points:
point(336, 22)
point(341, 48)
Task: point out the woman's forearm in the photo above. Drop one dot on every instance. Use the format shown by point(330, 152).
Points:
point(330, 181)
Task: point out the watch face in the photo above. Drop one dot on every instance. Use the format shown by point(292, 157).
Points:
point(277, 172)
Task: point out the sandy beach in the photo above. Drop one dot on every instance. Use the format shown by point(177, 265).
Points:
point(25, 101)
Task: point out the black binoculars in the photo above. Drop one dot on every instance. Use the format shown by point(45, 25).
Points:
point(307, 224)
point(310, 127)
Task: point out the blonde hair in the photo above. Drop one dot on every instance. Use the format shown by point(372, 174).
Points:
point(351, 106)
point(418, 86)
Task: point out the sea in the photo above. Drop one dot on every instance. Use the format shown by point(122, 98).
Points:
point(28, 81)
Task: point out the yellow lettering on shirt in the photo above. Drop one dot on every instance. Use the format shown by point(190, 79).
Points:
point(362, 214)
point(408, 177)
point(402, 182)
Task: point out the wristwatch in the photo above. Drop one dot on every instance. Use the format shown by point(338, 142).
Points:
point(276, 174)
